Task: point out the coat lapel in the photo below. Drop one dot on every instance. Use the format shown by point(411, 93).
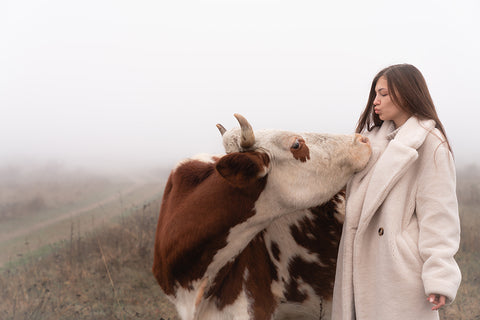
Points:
point(400, 153)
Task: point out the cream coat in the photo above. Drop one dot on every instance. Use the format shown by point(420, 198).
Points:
point(401, 230)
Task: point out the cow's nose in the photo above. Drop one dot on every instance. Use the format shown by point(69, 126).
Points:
point(361, 139)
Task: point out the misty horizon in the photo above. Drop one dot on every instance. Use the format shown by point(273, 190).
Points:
point(103, 85)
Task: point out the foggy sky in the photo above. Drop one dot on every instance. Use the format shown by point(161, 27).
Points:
point(142, 83)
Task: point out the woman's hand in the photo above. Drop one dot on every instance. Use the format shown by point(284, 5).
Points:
point(437, 300)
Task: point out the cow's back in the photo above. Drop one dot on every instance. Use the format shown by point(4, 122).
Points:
point(198, 209)
point(286, 271)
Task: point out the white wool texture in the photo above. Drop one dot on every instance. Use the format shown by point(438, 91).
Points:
point(401, 228)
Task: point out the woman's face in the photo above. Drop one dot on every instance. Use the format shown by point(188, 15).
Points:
point(384, 106)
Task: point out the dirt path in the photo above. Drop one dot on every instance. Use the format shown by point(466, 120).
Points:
point(13, 242)
point(66, 215)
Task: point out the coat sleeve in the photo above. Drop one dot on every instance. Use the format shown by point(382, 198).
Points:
point(439, 224)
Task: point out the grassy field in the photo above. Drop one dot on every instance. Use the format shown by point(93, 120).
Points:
point(106, 273)
point(91, 255)
point(465, 306)
point(44, 205)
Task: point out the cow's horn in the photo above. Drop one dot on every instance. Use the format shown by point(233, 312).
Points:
point(221, 128)
point(248, 138)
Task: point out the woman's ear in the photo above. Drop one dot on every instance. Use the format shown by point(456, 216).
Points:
point(242, 169)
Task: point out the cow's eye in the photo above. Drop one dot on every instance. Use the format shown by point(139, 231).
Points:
point(296, 144)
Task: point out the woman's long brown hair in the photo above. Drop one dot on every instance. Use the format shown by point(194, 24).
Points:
point(408, 90)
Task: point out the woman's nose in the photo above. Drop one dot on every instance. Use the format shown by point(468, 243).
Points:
point(376, 102)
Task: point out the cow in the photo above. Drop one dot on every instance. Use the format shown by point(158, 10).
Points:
point(254, 233)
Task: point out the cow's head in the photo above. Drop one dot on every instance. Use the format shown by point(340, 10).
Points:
point(303, 169)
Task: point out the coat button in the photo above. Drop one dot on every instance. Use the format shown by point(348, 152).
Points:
point(380, 231)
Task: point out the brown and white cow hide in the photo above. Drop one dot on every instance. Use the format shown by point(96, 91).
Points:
point(253, 234)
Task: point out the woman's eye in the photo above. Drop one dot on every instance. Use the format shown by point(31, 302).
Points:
point(296, 144)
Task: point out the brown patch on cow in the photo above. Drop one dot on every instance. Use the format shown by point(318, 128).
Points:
point(322, 236)
point(198, 209)
point(242, 168)
point(301, 151)
point(236, 276)
point(275, 250)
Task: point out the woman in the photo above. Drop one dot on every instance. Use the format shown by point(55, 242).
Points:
point(402, 230)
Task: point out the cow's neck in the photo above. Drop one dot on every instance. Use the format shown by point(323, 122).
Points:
point(240, 235)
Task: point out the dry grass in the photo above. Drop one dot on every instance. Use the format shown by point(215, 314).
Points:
point(465, 306)
point(103, 276)
point(107, 273)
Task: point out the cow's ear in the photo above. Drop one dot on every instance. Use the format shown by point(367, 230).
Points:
point(242, 169)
